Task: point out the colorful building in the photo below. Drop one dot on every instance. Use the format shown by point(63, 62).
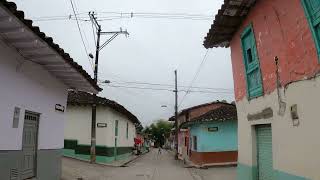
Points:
point(213, 137)
point(275, 48)
point(36, 74)
point(186, 115)
point(115, 130)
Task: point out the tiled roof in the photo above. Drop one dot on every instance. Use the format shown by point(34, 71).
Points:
point(9, 9)
point(83, 98)
point(184, 111)
point(227, 22)
point(223, 113)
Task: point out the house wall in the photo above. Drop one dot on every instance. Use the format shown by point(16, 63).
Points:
point(295, 152)
point(225, 139)
point(182, 146)
point(281, 29)
point(215, 147)
point(78, 127)
point(30, 87)
point(187, 116)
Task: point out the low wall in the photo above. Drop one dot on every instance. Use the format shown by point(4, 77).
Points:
point(104, 154)
point(203, 158)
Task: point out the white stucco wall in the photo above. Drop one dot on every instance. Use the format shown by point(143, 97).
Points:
point(78, 126)
point(30, 87)
point(295, 148)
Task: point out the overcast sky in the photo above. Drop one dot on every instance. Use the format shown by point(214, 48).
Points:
point(154, 49)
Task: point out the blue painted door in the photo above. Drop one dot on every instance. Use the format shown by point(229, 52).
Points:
point(264, 152)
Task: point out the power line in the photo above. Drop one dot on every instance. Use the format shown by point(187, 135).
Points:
point(121, 15)
point(135, 87)
point(170, 90)
point(195, 77)
point(84, 45)
point(166, 85)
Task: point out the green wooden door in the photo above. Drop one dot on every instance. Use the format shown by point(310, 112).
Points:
point(251, 62)
point(29, 145)
point(264, 152)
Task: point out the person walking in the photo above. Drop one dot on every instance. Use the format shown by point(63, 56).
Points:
point(159, 150)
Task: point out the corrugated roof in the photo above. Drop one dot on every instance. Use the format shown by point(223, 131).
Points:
point(227, 22)
point(223, 113)
point(35, 46)
point(83, 98)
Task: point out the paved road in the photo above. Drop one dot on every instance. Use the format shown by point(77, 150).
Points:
point(148, 167)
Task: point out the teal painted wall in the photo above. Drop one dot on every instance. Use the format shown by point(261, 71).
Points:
point(225, 139)
point(100, 159)
point(245, 172)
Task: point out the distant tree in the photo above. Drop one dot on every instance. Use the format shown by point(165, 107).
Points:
point(158, 131)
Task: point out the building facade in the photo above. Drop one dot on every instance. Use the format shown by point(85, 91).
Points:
point(35, 79)
point(186, 115)
point(275, 61)
point(213, 137)
point(115, 130)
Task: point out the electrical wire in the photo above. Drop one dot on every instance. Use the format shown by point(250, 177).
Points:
point(166, 85)
point(166, 89)
point(194, 78)
point(121, 15)
point(84, 45)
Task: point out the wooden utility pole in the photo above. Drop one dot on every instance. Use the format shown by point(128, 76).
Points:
point(176, 113)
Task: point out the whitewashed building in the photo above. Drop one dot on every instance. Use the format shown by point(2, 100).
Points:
point(115, 130)
point(35, 77)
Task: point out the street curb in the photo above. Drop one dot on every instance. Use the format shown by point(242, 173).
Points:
point(102, 164)
point(124, 164)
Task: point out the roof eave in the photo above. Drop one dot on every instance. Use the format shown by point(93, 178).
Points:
point(32, 44)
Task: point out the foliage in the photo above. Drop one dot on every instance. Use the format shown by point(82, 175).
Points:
point(158, 131)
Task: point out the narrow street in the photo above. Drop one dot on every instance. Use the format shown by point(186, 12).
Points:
point(148, 167)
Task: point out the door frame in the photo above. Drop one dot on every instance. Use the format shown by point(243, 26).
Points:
point(37, 139)
point(255, 145)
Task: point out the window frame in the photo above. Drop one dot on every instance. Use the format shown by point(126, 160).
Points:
point(315, 38)
point(127, 131)
point(195, 143)
point(116, 126)
point(244, 33)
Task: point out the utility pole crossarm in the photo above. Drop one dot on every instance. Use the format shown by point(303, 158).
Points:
point(116, 32)
point(94, 104)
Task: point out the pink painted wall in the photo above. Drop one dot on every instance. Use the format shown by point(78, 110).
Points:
point(281, 29)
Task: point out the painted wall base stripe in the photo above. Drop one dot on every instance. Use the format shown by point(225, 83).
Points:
point(285, 176)
point(245, 172)
point(100, 159)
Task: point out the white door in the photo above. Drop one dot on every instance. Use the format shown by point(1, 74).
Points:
point(29, 145)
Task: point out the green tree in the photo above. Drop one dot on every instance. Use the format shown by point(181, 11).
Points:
point(159, 131)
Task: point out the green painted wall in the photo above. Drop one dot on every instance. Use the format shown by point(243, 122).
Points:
point(100, 159)
point(245, 172)
point(104, 154)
